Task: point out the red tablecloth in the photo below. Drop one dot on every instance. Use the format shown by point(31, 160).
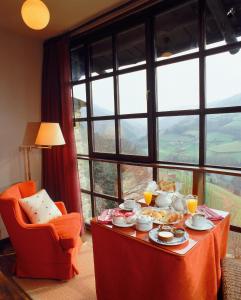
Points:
point(129, 267)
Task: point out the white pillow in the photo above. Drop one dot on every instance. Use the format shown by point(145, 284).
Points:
point(40, 208)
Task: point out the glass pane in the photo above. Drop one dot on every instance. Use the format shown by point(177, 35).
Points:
point(134, 180)
point(81, 138)
point(86, 206)
point(184, 177)
point(101, 57)
point(223, 139)
point(223, 82)
point(176, 32)
point(78, 64)
point(84, 174)
point(104, 136)
point(224, 192)
point(105, 178)
point(131, 47)
point(178, 86)
point(103, 97)
point(223, 22)
point(133, 100)
point(133, 136)
point(179, 139)
point(102, 204)
point(79, 98)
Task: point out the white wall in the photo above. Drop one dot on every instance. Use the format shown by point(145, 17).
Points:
point(20, 102)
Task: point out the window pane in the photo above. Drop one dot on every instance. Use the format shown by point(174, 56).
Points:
point(176, 32)
point(84, 174)
point(223, 22)
point(132, 92)
point(102, 204)
point(131, 47)
point(133, 136)
point(105, 178)
point(223, 139)
point(79, 98)
point(223, 80)
point(103, 97)
point(134, 180)
point(178, 86)
point(86, 206)
point(78, 63)
point(81, 138)
point(178, 139)
point(224, 192)
point(183, 177)
point(104, 136)
point(101, 57)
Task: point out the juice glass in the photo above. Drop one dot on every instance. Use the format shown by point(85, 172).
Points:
point(148, 197)
point(192, 202)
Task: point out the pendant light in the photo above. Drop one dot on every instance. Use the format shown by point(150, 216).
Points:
point(35, 14)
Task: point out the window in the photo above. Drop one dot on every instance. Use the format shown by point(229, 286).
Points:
point(161, 88)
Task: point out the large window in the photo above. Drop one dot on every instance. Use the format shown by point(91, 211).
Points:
point(162, 88)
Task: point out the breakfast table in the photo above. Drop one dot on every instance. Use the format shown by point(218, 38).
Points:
point(128, 265)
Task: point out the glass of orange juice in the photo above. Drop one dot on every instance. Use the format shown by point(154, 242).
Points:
point(192, 202)
point(148, 197)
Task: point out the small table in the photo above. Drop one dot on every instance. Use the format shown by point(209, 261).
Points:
point(129, 266)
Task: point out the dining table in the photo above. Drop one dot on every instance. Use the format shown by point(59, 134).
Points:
point(130, 266)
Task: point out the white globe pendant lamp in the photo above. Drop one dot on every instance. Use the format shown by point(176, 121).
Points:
point(35, 14)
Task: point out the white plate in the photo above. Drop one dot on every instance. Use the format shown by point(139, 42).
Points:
point(158, 222)
point(121, 206)
point(123, 225)
point(176, 240)
point(208, 225)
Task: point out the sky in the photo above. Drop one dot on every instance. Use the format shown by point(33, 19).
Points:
point(177, 86)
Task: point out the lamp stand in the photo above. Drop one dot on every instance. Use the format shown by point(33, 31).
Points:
point(26, 152)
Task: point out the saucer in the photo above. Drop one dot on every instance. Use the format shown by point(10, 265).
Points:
point(124, 225)
point(137, 206)
point(208, 225)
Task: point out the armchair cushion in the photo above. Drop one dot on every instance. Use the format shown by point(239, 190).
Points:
point(68, 229)
point(40, 208)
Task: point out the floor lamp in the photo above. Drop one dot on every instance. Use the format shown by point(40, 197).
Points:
point(45, 135)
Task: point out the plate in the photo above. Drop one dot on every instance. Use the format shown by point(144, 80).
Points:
point(162, 222)
point(176, 241)
point(121, 206)
point(207, 226)
point(123, 225)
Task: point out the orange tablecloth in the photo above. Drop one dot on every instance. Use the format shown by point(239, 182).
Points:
point(128, 266)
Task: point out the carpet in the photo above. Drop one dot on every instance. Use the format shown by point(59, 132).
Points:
point(81, 287)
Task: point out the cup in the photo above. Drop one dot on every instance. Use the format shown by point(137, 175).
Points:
point(129, 203)
point(148, 197)
point(198, 220)
point(192, 202)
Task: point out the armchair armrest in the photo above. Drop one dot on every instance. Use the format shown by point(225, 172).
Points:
point(42, 229)
point(61, 207)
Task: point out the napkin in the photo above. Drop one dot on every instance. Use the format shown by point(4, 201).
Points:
point(209, 213)
point(106, 216)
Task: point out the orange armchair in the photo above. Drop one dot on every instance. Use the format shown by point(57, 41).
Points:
point(42, 250)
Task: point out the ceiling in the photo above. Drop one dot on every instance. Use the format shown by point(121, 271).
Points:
point(64, 15)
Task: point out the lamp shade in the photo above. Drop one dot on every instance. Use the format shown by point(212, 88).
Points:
point(35, 14)
point(49, 134)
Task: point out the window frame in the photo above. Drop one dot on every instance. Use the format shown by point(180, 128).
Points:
point(147, 17)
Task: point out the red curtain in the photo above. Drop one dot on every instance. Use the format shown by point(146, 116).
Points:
point(60, 175)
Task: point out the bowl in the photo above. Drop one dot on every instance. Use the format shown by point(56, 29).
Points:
point(165, 236)
point(178, 232)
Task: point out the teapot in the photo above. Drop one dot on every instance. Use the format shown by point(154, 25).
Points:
point(179, 202)
point(163, 199)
